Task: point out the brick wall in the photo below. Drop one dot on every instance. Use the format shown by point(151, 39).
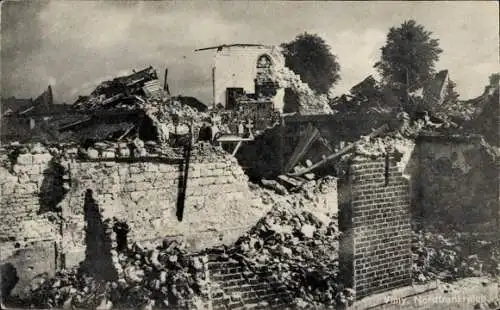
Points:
point(375, 251)
point(236, 286)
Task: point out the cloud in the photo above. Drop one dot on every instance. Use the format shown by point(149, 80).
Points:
point(357, 58)
point(76, 44)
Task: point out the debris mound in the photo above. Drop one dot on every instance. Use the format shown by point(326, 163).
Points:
point(300, 248)
point(310, 102)
point(163, 277)
point(453, 256)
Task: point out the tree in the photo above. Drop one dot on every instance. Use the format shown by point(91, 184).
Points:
point(494, 79)
point(309, 56)
point(408, 57)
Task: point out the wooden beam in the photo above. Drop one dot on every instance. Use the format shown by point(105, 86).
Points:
point(291, 181)
point(300, 144)
point(236, 148)
point(338, 154)
point(126, 132)
point(312, 134)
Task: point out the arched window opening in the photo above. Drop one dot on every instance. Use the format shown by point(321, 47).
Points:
point(264, 84)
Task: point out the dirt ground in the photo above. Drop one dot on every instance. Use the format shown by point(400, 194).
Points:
point(465, 294)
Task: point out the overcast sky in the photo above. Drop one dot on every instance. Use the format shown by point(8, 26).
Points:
point(75, 45)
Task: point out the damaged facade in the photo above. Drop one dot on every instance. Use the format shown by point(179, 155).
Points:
point(26, 120)
point(246, 70)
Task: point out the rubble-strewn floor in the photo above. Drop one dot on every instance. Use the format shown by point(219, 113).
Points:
point(464, 294)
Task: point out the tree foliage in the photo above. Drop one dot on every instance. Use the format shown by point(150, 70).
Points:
point(494, 79)
point(309, 56)
point(408, 57)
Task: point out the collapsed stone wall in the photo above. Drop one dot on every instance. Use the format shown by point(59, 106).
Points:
point(375, 249)
point(146, 192)
point(458, 181)
point(28, 234)
point(145, 195)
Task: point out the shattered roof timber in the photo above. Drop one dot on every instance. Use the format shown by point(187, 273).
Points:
point(136, 76)
point(220, 47)
point(341, 152)
point(108, 116)
point(16, 106)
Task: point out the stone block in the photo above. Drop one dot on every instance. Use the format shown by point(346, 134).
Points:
point(93, 153)
point(137, 177)
point(150, 176)
point(218, 172)
point(136, 195)
point(129, 187)
point(35, 169)
point(210, 166)
point(135, 169)
point(27, 188)
point(196, 173)
point(123, 152)
point(166, 168)
point(123, 172)
point(25, 159)
point(143, 186)
point(220, 165)
point(108, 154)
point(151, 167)
point(204, 172)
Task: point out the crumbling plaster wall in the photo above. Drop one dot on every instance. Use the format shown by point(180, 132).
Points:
point(458, 181)
point(236, 66)
point(28, 234)
point(218, 205)
point(40, 235)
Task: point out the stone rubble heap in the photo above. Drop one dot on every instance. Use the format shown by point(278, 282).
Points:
point(201, 152)
point(453, 256)
point(299, 247)
point(310, 102)
point(164, 277)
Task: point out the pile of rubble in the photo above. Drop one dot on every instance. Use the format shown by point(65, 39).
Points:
point(139, 92)
point(163, 277)
point(298, 247)
point(161, 109)
point(121, 92)
point(453, 256)
point(310, 102)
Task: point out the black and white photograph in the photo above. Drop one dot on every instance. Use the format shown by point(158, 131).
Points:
point(213, 155)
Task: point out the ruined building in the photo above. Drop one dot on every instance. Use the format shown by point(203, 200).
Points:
point(241, 69)
point(434, 92)
point(31, 119)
